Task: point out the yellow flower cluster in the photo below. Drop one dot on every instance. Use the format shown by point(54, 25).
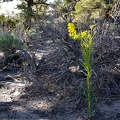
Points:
point(72, 31)
point(85, 35)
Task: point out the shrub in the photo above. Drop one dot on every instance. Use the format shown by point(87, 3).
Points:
point(9, 43)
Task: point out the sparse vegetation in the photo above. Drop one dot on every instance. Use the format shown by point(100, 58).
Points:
point(72, 58)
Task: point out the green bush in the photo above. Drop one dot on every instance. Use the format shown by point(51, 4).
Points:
point(9, 42)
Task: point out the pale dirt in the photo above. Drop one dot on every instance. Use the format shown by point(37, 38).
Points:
point(15, 107)
point(12, 107)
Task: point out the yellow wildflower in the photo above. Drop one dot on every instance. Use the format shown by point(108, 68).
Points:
point(84, 34)
point(71, 34)
point(91, 27)
point(76, 37)
point(72, 31)
point(71, 25)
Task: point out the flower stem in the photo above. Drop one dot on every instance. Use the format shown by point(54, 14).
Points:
point(89, 96)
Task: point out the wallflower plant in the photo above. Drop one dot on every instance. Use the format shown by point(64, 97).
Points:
point(86, 44)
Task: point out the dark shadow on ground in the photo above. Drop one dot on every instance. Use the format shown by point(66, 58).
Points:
point(18, 111)
point(15, 110)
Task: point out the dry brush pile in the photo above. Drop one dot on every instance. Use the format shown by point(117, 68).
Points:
point(52, 63)
point(58, 71)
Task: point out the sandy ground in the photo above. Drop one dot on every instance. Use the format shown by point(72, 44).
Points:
point(16, 105)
